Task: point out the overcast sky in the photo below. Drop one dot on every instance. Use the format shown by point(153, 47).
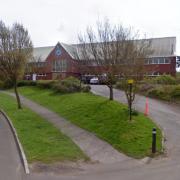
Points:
point(50, 21)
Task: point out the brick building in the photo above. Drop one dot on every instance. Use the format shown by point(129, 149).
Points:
point(60, 61)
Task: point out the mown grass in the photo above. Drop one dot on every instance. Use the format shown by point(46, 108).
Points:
point(107, 119)
point(40, 139)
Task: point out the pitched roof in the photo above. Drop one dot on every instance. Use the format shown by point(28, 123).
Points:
point(41, 53)
point(165, 46)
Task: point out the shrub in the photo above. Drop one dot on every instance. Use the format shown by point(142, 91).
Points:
point(159, 93)
point(86, 88)
point(119, 85)
point(178, 79)
point(8, 84)
point(176, 92)
point(145, 87)
point(46, 84)
point(59, 88)
point(1, 84)
point(27, 83)
point(70, 85)
point(164, 79)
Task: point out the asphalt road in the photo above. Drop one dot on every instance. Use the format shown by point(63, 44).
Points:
point(10, 163)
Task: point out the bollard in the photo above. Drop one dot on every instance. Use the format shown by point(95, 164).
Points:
point(154, 140)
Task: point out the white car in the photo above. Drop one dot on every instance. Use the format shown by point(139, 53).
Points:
point(94, 80)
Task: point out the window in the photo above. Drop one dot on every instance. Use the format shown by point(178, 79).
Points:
point(155, 61)
point(60, 65)
point(167, 61)
point(159, 60)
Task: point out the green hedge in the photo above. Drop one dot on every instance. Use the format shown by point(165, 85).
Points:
point(168, 92)
point(26, 83)
point(68, 85)
point(163, 79)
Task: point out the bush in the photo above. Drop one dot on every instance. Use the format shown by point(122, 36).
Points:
point(159, 93)
point(119, 85)
point(8, 84)
point(164, 79)
point(145, 88)
point(46, 84)
point(70, 85)
point(175, 94)
point(1, 84)
point(27, 83)
point(59, 88)
point(86, 88)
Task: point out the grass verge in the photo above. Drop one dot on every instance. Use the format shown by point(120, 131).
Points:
point(40, 139)
point(107, 119)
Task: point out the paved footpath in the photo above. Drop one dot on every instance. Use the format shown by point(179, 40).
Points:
point(10, 163)
point(96, 149)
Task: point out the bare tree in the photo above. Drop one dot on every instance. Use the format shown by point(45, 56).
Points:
point(15, 50)
point(114, 51)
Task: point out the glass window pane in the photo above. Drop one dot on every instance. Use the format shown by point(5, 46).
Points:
point(167, 61)
point(161, 61)
point(155, 61)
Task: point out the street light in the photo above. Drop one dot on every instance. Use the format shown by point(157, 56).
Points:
point(130, 82)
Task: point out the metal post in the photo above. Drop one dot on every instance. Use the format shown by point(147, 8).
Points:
point(154, 140)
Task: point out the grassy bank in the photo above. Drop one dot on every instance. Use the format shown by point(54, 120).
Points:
point(107, 119)
point(40, 139)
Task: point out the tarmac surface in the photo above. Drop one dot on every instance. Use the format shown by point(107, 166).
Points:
point(166, 167)
point(10, 163)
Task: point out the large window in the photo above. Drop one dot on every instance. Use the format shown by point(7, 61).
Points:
point(60, 65)
point(158, 60)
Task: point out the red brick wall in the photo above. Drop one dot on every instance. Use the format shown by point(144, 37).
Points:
point(72, 64)
point(163, 68)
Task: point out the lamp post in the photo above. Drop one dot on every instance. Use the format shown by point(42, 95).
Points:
point(130, 82)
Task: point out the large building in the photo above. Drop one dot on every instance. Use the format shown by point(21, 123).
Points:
point(60, 61)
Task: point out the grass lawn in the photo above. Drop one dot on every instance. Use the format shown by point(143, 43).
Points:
point(107, 119)
point(41, 140)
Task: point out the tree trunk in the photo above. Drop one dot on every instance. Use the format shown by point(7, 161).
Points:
point(17, 96)
point(110, 92)
point(80, 81)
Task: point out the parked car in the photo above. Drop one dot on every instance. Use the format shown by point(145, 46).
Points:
point(94, 80)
